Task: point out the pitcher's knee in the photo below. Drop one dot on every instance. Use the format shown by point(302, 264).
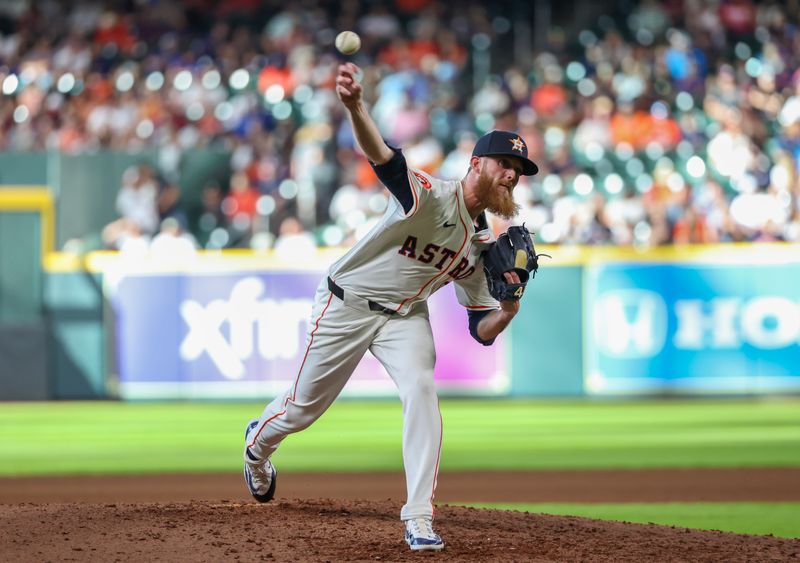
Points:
point(419, 386)
point(299, 418)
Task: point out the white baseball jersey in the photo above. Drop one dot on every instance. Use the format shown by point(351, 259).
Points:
point(409, 255)
point(374, 299)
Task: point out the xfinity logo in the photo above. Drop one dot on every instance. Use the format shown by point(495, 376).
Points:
point(633, 323)
point(254, 325)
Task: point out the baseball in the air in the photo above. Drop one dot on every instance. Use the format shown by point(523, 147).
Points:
point(348, 42)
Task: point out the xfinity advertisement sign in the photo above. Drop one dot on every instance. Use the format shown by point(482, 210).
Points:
point(243, 335)
point(692, 328)
point(230, 331)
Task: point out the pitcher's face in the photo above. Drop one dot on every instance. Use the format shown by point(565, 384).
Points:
point(497, 179)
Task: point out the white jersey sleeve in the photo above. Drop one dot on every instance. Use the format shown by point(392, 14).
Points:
point(473, 293)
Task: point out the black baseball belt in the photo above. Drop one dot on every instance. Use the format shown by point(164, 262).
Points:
point(339, 292)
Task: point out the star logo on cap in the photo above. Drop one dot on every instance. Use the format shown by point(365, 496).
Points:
point(517, 144)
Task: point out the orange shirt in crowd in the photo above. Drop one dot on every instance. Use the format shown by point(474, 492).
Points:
point(692, 229)
point(640, 129)
point(548, 98)
point(245, 202)
point(270, 75)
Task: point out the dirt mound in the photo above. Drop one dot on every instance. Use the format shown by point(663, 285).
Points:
point(335, 530)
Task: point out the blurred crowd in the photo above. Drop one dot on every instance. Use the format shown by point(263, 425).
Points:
point(652, 122)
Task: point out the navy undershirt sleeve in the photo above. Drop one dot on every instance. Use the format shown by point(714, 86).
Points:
point(474, 318)
point(394, 175)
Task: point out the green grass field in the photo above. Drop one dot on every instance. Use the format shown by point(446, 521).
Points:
point(759, 518)
point(108, 437)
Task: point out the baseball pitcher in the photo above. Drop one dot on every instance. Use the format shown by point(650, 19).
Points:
point(374, 298)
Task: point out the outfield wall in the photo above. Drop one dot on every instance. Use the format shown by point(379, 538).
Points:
point(685, 321)
point(26, 235)
point(594, 322)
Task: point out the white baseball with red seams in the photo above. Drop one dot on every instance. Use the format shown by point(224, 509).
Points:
point(397, 265)
point(347, 42)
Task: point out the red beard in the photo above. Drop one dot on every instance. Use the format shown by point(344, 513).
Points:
point(497, 199)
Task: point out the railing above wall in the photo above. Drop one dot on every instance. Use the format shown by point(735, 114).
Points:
point(37, 199)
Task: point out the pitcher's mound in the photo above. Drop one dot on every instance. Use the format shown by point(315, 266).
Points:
point(335, 530)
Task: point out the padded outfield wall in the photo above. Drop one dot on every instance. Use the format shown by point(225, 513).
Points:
point(595, 322)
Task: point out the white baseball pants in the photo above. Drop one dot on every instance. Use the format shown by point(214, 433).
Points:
point(339, 334)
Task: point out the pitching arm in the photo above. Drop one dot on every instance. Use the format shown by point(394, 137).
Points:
point(349, 90)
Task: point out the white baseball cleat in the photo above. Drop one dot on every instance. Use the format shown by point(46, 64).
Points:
point(259, 476)
point(420, 535)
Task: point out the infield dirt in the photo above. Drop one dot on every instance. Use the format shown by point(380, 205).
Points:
point(209, 518)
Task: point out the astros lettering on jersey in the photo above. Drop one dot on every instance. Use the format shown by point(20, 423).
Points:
point(409, 255)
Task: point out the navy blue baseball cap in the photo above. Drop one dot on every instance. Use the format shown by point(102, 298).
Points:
point(496, 143)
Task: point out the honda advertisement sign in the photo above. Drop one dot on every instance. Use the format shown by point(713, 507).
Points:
point(692, 328)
